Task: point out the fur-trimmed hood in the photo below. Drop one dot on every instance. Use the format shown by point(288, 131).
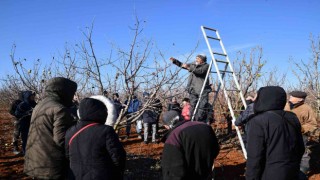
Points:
point(112, 114)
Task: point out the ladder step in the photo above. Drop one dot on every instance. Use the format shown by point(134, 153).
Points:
point(219, 54)
point(209, 28)
point(222, 61)
point(223, 71)
point(210, 37)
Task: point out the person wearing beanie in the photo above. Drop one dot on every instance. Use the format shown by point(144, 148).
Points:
point(150, 117)
point(307, 118)
point(117, 103)
point(274, 141)
point(174, 105)
point(189, 150)
point(92, 147)
point(45, 156)
point(23, 113)
point(16, 123)
point(198, 72)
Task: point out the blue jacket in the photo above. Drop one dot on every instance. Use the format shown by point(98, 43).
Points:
point(133, 105)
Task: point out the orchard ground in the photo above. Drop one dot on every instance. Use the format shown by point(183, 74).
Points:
point(143, 160)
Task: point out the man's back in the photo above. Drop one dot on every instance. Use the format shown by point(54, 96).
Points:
point(275, 144)
point(189, 151)
point(305, 115)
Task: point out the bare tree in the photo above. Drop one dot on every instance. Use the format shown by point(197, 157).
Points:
point(248, 72)
point(32, 78)
point(143, 67)
point(307, 73)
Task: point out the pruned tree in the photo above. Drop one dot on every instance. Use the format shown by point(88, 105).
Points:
point(307, 74)
point(28, 78)
point(248, 71)
point(141, 68)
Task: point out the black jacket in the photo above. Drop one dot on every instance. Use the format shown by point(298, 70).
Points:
point(152, 111)
point(275, 144)
point(24, 109)
point(15, 104)
point(189, 151)
point(96, 152)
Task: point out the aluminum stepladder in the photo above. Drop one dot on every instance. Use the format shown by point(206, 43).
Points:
point(227, 68)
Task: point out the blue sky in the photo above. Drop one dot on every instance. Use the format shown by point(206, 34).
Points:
point(41, 28)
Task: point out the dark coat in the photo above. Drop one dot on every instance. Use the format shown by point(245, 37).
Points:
point(15, 104)
point(196, 78)
point(244, 118)
point(24, 109)
point(152, 111)
point(95, 152)
point(174, 106)
point(275, 144)
point(118, 106)
point(189, 151)
point(45, 156)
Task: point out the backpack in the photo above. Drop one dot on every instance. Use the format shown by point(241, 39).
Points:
point(14, 106)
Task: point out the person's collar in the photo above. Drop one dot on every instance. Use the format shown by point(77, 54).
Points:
point(166, 135)
point(292, 106)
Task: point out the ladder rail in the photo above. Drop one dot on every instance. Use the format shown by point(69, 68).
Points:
point(233, 74)
point(222, 85)
point(208, 72)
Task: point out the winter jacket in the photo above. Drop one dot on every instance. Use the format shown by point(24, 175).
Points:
point(45, 156)
point(174, 106)
point(15, 104)
point(133, 106)
point(95, 151)
point(24, 109)
point(186, 112)
point(244, 118)
point(189, 151)
point(196, 78)
point(118, 106)
point(306, 117)
point(152, 111)
point(274, 144)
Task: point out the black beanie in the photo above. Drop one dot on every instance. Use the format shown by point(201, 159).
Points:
point(92, 110)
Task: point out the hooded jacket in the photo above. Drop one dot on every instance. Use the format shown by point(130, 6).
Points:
point(189, 151)
point(197, 76)
point(15, 104)
point(24, 109)
point(95, 151)
point(274, 144)
point(45, 156)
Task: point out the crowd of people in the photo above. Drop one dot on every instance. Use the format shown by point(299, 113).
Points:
point(66, 139)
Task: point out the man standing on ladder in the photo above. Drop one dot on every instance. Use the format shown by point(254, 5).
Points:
point(198, 72)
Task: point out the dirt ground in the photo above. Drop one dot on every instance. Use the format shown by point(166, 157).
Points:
point(143, 160)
